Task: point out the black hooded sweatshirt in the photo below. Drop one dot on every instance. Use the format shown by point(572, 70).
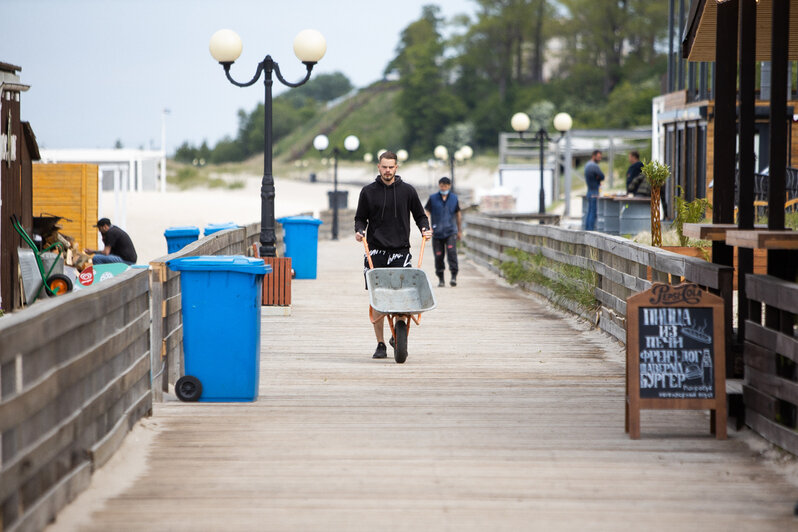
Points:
point(385, 211)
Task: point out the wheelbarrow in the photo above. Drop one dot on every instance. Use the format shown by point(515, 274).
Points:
point(54, 284)
point(401, 295)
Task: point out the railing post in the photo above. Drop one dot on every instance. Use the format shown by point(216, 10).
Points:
point(157, 275)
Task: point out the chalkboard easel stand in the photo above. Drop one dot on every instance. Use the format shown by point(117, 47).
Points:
point(698, 302)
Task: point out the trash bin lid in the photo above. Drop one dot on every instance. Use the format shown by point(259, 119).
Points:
point(182, 230)
point(310, 220)
point(223, 225)
point(224, 263)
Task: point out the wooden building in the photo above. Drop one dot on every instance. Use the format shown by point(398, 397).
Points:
point(684, 117)
point(18, 149)
point(753, 45)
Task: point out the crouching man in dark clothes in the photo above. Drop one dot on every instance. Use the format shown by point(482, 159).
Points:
point(383, 216)
point(118, 245)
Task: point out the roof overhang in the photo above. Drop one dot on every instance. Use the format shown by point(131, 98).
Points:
point(698, 41)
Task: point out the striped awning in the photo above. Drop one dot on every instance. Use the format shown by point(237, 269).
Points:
point(698, 41)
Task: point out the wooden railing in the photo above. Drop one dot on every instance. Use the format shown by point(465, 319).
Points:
point(74, 377)
point(167, 324)
point(770, 390)
point(621, 267)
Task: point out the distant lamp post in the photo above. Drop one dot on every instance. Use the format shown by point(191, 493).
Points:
point(464, 153)
point(402, 156)
point(442, 153)
point(163, 149)
point(367, 158)
point(321, 143)
point(520, 122)
point(309, 47)
point(563, 123)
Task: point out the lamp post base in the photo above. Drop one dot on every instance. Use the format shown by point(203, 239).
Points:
point(267, 250)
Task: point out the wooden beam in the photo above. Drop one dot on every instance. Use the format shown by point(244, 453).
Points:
point(725, 141)
point(765, 239)
point(778, 113)
point(707, 231)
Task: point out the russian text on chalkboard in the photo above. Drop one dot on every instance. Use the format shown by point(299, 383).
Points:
point(676, 356)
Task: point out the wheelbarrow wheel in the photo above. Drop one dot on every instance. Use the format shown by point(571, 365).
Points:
point(188, 389)
point(400, 349)
point(58, 284)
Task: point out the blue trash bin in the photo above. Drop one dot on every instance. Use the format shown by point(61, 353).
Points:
point(221, 302)
point(213, 228)
point(179, 237)
point(301, 236)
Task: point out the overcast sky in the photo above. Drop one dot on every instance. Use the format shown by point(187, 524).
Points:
point(102, 70)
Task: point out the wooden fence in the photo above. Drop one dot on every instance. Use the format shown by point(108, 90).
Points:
point(167, 323)
point(770, 390)
point(619, 266)
point(74, 378)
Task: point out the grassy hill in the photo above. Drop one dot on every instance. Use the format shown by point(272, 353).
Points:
point(369, 115)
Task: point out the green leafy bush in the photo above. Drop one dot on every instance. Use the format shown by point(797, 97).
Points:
point(688, 212)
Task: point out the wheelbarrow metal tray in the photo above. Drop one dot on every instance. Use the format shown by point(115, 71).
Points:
point(400, 290)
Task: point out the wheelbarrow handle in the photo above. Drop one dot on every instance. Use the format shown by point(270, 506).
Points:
point(423, 245)
point(368, 253)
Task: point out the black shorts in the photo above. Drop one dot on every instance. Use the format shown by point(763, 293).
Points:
point(383, 258)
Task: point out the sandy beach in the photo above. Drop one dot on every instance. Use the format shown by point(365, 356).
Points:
point(150, 213)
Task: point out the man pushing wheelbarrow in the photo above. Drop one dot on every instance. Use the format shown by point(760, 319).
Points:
point(383, 220)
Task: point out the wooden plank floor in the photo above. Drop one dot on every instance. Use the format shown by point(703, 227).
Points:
point(507, 415)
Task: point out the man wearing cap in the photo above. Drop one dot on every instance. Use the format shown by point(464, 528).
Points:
point(443, 210)
point(118, 246)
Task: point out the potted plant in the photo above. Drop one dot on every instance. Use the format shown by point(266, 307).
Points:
point(656, 174)
point(689, 212)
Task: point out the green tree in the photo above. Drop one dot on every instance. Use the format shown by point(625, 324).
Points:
point(455, 136)
point(629, 104)
point(608, 35)
point(323, 88)
point(227, 150)
point(185, 153)
point(426, 103)
point(541, 113)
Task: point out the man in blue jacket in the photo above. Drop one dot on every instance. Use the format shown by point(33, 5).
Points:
point(383, 217)
point(593, 178)
point(443, 210)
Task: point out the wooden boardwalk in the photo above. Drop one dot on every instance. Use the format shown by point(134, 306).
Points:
point(508, 415)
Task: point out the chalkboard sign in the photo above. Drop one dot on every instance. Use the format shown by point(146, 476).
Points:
point(675, 353)
point(676, 358)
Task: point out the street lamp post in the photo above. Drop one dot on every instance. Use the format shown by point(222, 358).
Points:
point(351, 143)
point(163, 149)
point(520, 122)
point(462, 154)
point(309, 47)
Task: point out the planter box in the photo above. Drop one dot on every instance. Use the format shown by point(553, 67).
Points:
point(760, 258)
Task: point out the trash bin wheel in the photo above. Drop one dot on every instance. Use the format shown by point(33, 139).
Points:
point(400, 351)
point(188, 389)
point(59, 284)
